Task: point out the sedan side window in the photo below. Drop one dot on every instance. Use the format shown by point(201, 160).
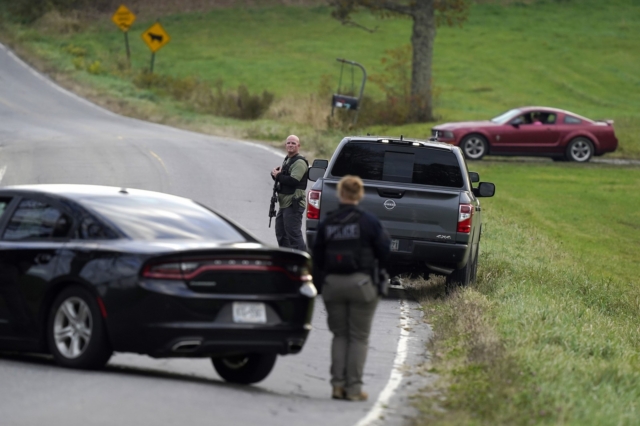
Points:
point(4, 203)
point(90, 229)
point(36, 220)
point(571, 120)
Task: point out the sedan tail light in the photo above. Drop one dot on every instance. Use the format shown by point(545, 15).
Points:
point(191, 268)
point(465, 216)
point(313, 204)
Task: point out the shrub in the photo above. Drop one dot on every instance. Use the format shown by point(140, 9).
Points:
point(75, 50)
point(201, 97)
point(95, 68)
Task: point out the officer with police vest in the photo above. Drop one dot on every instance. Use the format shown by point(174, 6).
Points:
point(349, 245)
point(292, 179)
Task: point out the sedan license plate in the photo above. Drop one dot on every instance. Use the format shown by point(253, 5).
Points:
point(248, 312)
point(395, 245)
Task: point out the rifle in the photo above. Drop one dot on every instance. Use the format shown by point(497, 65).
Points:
point(274, 199)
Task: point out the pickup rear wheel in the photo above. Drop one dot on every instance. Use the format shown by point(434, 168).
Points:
point(474, 146)
point(467, 275)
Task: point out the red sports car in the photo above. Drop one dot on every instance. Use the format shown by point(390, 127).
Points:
point(539, 131)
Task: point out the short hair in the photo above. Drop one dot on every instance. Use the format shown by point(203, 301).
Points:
point(351, 188)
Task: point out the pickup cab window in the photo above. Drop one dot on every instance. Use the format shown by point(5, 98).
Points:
point(398, 163)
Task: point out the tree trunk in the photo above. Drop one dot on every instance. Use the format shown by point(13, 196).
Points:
point(422, 39)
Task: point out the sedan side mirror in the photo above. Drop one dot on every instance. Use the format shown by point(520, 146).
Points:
point(516, 122)
point(485, 189)
point(316, 173)
point(474, 177)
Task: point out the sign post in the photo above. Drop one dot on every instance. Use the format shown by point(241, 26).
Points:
point(155, 37)
point(124, 18)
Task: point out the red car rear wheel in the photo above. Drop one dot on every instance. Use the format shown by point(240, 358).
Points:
point(580, 150)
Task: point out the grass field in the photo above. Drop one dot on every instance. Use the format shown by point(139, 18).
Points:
point(581, 56)
point(549, 335)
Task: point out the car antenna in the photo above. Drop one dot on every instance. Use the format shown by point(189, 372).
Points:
point(123, 191)
point(401, 137)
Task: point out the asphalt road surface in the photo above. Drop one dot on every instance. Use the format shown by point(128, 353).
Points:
point(48, 135)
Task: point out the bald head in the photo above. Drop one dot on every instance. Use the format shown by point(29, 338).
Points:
point(292, 145)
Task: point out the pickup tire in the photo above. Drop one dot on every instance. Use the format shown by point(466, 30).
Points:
point(465, 276)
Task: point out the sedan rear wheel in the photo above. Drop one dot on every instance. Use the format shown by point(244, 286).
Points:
point(474, 147)
point(245, 369)
point(75, 330)
point(580, 150)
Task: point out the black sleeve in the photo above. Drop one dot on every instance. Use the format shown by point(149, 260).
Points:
point(288, 180)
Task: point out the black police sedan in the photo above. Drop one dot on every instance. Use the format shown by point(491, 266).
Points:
point(88, 270)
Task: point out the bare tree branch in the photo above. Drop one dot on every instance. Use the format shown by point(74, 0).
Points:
point(395, 7)
point(349, 22)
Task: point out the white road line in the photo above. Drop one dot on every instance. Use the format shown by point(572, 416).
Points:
point(3, 170)
point(396, 376)
point(160, 160)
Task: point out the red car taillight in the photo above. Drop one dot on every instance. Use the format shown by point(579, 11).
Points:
point(164, 271)
point(465, 216)
point(313, 204)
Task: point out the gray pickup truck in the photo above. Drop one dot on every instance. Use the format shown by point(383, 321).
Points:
point(422, 193)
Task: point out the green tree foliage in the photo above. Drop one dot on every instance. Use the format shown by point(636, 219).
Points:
point(28, 11)
point(426, 16)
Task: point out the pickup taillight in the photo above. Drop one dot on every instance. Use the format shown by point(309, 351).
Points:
point(313, 204)
point(465, 216)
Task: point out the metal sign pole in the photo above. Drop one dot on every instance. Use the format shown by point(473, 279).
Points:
point(126, 43)
point(153, 57)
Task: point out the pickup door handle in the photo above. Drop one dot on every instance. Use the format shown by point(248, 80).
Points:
point(389, 193)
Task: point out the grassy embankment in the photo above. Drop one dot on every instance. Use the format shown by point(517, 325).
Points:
point(549, 335)
point(581, 56)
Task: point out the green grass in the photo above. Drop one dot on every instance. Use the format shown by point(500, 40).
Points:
point(577, 55)
point(549, 335)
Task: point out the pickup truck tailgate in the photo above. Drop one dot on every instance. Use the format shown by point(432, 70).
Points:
point(412, 212)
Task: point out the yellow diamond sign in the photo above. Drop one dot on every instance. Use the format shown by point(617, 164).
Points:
point(123, 18)
point(155, 37)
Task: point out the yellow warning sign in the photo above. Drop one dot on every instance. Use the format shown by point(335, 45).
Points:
point(156, 37)
point(123, 18)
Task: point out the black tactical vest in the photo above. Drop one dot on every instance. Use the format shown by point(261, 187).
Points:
point(345, 251)
point(285, 171)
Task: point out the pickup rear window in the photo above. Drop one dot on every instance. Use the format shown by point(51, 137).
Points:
point(397, 163)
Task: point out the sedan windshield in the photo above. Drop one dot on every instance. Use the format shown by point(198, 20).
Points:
point(506, 116)
point(149, 218)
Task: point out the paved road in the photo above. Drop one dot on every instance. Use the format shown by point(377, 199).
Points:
point(50, 136)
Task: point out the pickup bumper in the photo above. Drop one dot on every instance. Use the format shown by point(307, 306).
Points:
point(412, 252)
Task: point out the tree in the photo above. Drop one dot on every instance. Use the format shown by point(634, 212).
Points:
point(426, 15)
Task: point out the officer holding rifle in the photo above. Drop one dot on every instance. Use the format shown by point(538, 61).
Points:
point(290, 184)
